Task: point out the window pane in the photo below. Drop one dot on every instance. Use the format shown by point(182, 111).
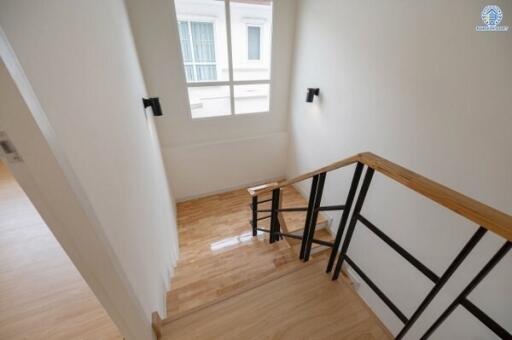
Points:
point(206, 36)
point(189, 72)
point(252, 98)
point(251, 30)
point(253, 42)
point(204, 45)
point(209, 101)
point(206, 72)
point(185, 41)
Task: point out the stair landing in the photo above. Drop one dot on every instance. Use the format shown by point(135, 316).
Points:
point(221, 262)
point(304, 304)
point(218, 254)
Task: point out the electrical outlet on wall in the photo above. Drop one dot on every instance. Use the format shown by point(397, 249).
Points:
point(8, 150)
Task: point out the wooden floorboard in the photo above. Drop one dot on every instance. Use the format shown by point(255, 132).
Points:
point(305, 304)
point(218, 254)
point(42, 295)
point(230, 285)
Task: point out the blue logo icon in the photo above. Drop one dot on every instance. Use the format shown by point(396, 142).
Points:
point(492, 16)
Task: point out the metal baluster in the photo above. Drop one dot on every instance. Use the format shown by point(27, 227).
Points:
point(442, 281)
point(502, 333)
point(353, 221)
point(255, 215)
point(314, 216)
point(344, 216)
point(312, 195)
point(273, 219)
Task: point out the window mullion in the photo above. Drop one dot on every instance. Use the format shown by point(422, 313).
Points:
point(230, 56)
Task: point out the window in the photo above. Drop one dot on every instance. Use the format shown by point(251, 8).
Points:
point(253, 42)
point(226, 46)
point(198, 49)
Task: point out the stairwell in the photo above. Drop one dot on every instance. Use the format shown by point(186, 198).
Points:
point(219, 254)
point(224, 268)
point(240, 276)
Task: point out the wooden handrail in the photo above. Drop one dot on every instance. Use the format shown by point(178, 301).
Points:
point(488, 217)
point(265, 188)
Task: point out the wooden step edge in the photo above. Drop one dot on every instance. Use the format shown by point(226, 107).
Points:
point(156, 324)
point(345, 278)
point(319, 226)
point(239, 291)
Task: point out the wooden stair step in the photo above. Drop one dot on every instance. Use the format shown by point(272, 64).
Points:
point(209, 278)
point(315, 308)
point(322, 234)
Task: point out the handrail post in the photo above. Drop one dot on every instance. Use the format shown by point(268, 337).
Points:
point(469, 288)
point(443, 279)
point(274, 223)
point(353, 221)
point(312, 197)
point(344, 217)
point(254, 215)
point(314, 216)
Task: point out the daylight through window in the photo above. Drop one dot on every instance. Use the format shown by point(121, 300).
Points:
point(226, 62)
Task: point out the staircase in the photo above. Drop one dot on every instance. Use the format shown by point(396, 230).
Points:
point(282, 279)
point(220, 256)
point(300, 304)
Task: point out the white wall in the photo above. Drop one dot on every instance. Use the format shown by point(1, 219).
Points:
point(156, 36)
point(79, 59)
point(414, 83)
point(214, 167)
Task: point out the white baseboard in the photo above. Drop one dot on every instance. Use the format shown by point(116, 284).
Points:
point(237, 187)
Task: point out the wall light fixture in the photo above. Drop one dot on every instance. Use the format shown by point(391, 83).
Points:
point(312, 92)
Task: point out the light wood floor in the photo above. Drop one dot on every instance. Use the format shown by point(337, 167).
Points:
point(218, 253)
point(42, 295)
point(305, 304)
point(222, 265)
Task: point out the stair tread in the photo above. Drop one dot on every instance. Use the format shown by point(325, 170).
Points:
point(315, 308)
point(322, 234)
point(218, 254)
point(242, 288)
point(208, 278)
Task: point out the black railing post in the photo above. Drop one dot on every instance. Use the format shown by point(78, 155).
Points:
point(254, 215)
point(344, 216)
point(353, 221)
point(278, 222)
point(314, 216)
point(312, 194)
point(443, 279)
point(273, 216)
point(502, 333)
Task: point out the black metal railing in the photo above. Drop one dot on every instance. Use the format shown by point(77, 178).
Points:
point(462, 300)
point(312, 211)
point(307, 238)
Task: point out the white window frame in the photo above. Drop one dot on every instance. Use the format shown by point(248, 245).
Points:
point(231, 83)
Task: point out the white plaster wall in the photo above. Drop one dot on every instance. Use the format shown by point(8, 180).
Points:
point(156, 36)
point(80, 61)
point(415, 83)
point(222, 166)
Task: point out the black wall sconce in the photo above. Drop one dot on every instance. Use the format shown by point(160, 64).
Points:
point(311, 94)
point(155, 105)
